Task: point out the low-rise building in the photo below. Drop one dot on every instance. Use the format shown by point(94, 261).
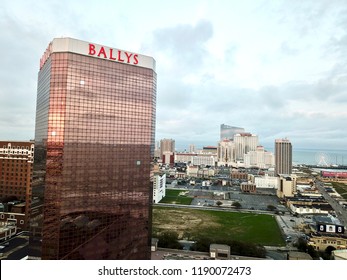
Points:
point(220, 252)
point(207, 160)
point(192, 171)
point(196, 159)
point(310, 209)
point(206, 172)
point(248, 187)
point(308, 205)
point(239, 175)
point(334, 176)
point(185, 157)
point(321, 242)
point(264, 182)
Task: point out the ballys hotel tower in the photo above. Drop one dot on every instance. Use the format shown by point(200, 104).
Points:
point(94, 139)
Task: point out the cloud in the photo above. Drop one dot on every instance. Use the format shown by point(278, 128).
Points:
point(184, 45)
point(288, 50)
point(275, 68)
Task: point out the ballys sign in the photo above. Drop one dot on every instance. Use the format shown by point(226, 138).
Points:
point(111, 54)
point(70, 45)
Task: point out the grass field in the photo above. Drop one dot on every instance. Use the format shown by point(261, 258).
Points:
point(190, 223)
point(341, 188)
point(176, 197)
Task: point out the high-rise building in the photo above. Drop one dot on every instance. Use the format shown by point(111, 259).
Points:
point(225, 153)
point(244, 142)
point(228, 132)
point(16, 168)
point(167, 151)
point(94, 140)
point(259, 158)
point(283, 157)
point(167, 145)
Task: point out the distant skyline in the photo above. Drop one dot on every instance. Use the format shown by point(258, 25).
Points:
point(275, 68)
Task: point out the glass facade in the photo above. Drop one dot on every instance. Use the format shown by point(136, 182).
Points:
point(228, 132)
point(95, 125)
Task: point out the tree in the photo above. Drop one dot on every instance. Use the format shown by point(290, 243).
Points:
point(169, 239)
point(202, 244)
point(219, 203)
point(301, 244)
point(236, 204)
point(329, 249)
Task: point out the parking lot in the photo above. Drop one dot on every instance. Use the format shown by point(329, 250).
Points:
point(254, 201)
point(209, 195)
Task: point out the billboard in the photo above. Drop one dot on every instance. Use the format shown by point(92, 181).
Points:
point(330, 228)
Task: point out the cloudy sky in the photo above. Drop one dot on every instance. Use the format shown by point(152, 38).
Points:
point(276, 68)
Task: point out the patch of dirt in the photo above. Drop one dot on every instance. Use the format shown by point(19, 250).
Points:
point(181, 221)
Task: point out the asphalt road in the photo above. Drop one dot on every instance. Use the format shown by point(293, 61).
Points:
point(341, 212)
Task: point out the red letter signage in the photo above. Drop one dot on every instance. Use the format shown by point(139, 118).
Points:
point(91, 49)
point(111, 54)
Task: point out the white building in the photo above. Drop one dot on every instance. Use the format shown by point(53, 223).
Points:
point(196, 159)
point(184, 157)
point(264, 182)
point(259, 158)
point(159, 183)
point(307, 210)
point(244, 142)
point(204, 160)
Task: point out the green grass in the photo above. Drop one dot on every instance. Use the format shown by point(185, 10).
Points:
point(341, 189)
point(246, 227)
point(176, 197)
